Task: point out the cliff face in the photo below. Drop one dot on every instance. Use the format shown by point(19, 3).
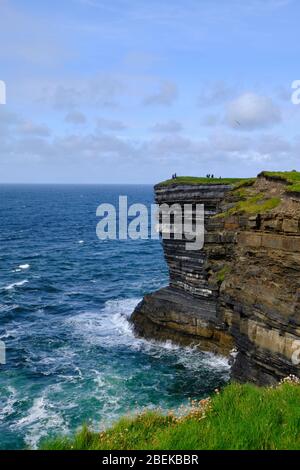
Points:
point(242, 289)
point(186, 311)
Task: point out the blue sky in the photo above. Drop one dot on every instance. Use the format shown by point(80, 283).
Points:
point(132, 91)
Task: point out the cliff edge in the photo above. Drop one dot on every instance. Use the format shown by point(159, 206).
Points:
point(242, 289)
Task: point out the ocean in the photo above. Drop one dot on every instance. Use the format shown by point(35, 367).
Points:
point(65, 299)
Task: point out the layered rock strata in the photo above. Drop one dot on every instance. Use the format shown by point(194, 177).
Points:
point(242, 289)
point(186, 311)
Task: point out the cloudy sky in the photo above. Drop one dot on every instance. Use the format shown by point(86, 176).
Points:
point(111, 91)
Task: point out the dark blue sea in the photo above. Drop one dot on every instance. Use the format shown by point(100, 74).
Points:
point(65, 298)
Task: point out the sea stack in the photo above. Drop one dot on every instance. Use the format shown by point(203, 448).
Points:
point(242, 290)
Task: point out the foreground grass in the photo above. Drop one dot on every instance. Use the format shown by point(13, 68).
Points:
point(240, 417)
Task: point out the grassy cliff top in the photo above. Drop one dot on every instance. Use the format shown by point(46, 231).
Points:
point(292, 178)
point(201, 180)
point(239, 417)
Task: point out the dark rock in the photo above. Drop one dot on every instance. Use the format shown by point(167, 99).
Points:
point(242, 289)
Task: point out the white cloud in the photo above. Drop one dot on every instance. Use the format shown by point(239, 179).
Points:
point(251, 111)
point(31, 148)
point(7, 117)
point(284, 93)
point(66, 98)
point(75, 117)
point(165, 96)
point(110, 124)
point(173, 147)
point(214, 94)
point(227, 142)
point(32, 129)
point(167, 127)
point(210, 120)
point(12, 125)
point(274, 145)
point(100, 90)
point(32, 141)
point(91, 146)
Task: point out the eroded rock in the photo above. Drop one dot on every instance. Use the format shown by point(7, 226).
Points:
point(242, 289)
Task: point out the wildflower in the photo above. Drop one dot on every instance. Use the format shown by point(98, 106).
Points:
point(291, 379)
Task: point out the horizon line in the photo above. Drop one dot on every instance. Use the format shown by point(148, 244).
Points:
point(73, 184)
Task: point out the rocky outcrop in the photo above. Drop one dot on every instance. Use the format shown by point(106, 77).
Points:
point(186, 312)
point(170, 314)
point(242, 289)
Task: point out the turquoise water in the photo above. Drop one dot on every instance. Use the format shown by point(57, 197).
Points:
point(65, 298)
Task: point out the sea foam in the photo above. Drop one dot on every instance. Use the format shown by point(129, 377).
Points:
point(16, 284)
point(24, 266)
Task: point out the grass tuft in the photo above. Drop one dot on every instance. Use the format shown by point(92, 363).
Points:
point(222, 273)
point(257, 204)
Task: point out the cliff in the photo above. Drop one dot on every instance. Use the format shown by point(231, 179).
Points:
point(242, 290)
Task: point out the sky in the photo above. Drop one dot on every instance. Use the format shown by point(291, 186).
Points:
point(131, 91)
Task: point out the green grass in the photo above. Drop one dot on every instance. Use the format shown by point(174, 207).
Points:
point(257, 204)
point(244, 183)
point(239, 417)
point(202, 180)
point(292, 178)
point(222, 273)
